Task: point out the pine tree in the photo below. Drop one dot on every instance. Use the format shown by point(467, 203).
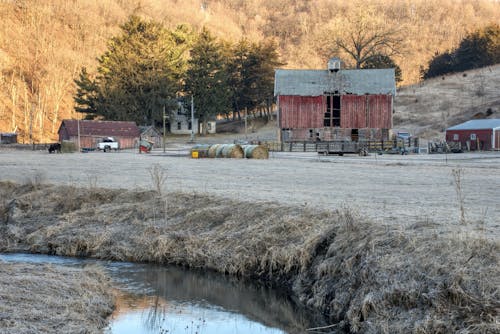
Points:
point(268, 61)
point(207, 78)
point(137, 76)
point(86, 98)
point(478, 49)
point(383, 61)
point(251, 68)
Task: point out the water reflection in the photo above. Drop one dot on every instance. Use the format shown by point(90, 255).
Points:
point(182, 301)
point(159, 299)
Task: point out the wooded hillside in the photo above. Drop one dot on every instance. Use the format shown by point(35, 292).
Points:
point(44, 44)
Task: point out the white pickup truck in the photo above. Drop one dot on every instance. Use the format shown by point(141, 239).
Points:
point(108, 144)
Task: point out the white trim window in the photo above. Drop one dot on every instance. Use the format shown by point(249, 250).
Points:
point(473, 136)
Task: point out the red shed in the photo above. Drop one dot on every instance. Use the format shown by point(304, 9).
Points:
point(478, 134)
point(89, 133)
point(335, 104)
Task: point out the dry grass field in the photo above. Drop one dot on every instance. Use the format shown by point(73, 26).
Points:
point(376, 243)
point(428, 108)
point(52, 299)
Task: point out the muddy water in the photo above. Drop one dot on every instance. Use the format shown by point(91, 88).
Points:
point(158, 299)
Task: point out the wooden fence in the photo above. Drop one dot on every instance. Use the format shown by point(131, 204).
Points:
point(339, 146)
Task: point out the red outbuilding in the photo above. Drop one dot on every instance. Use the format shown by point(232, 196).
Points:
point(335, 104)
point(87, 133)
point(478, 134)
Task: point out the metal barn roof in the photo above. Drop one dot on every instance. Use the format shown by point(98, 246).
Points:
point(100, 128)
point(319, 82)
point(477, 124)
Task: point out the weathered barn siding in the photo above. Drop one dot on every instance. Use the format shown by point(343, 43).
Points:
point(483, 139)
point(366, 111)
point(477, 134)
point(356, 111)
point(379, 111)
point(335, 104)
point(301, 111)
point(353, 111)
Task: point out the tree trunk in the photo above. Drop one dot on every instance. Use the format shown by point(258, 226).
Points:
point(205, 125)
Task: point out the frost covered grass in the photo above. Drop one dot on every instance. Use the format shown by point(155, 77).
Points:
point(366, 276)
point(37, 298)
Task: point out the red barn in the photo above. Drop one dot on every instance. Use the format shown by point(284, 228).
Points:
point(335, 104)
point(89, 133)
point(478, 134)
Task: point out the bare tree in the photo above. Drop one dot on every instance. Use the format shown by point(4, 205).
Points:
point(362, 36)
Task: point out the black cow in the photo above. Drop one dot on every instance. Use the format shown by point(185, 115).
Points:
point(55, 148)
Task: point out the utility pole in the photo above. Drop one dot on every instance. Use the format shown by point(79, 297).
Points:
point(79, 143)
point(164, 128)
point(192, 119)
point(246, 116)
point(32, 142)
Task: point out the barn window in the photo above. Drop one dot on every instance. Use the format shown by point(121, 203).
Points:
point(472, 136)
point(332, 114)
point(455, 136)
point(336, 111)
point(327, 121)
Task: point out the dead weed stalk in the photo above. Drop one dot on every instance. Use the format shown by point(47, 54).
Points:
point(158, 179)
point(458, 174)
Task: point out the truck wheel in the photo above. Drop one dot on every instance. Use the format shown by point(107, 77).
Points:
point(106, 148)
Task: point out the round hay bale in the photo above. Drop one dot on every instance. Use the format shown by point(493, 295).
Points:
point(234, 151)
point(256, 152)
point(212, 151)
point(218, 152)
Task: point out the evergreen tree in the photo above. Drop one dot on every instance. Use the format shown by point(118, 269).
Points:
point(478, 49)
point(383, 61)
point(137, 76)
point(439, 65)
point(268, 60)
point(207, 78)
point(86, 97)
point(238, 75)
point(251, 68)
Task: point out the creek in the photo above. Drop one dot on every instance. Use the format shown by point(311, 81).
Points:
point(168, 299)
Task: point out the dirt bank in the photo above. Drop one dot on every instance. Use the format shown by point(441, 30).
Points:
point(367, 277)
point(52, 299)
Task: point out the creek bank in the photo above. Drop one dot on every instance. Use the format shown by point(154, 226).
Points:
point(365, 276)
point(53, 299)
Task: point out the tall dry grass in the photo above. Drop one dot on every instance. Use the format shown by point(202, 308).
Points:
point(53, 299)
point(366, 277)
